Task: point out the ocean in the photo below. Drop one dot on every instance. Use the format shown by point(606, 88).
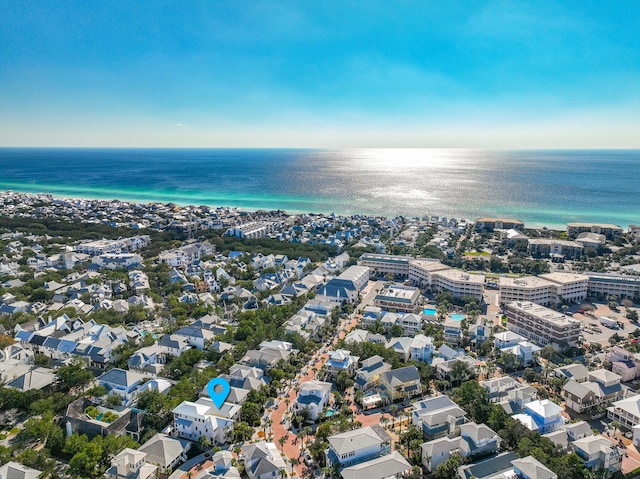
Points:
point(543, 188)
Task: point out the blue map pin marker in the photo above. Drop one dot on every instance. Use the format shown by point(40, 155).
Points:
point(218, 396)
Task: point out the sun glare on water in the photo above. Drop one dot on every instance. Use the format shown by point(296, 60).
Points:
point(407, 158)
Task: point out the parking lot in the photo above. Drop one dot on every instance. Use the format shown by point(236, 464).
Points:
point(594, 331)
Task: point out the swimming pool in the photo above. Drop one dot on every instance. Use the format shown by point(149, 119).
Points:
point(457, 317)
point(429, 312)
point(329, 412)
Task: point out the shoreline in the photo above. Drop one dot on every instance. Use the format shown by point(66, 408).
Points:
point(288, 212)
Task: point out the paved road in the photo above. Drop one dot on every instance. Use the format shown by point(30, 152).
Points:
point(292, 446)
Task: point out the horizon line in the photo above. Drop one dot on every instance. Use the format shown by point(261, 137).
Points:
point(101, 147)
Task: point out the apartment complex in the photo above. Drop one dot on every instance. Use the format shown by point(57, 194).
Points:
point(426, 273)
point(615, 284)
point(609, 230)
point(541, 324)
point(545, 289)
point(382, 264)
point(490, 224)
point(543, 247)
point(528, 288)
point(398, 299)
point(422, 271)
point(459, 283)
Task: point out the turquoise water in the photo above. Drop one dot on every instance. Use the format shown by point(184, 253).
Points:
point(429, 312)
point(329, 413)
point(543, 188)
point(99, 417)
point(457, 317)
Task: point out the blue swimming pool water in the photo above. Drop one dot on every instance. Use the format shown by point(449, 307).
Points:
point(457, 317)
point(429, 312)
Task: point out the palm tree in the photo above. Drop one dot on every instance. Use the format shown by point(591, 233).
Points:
point(294, 461)
point(281, 441)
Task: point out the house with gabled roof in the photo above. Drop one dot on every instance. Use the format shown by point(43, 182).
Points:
point(368, 375)
point(195, 419)
point(166, 451)
point(530, 468)
point(262, 460)
point(576, 372)
point(625, 411)
point(341, 360)
point(598, 453)
point(510, 394)
point(474, 440)
point(438, 416)
point(15, 470)
point(357, 446)
point(196, 337)
point(37, 378)
point(389, 466)
point(491, 468)
point(603, 387)
point(123, 383)
point(131, 464)
point(313, 396)
point(542, 416)
point(400, 383)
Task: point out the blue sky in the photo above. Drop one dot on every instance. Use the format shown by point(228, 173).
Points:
point(496, 74)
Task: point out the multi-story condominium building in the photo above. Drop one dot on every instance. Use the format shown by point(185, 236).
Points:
point(527, 288)
point(382, 264)
point(543, 247)
point(421, 271)
point(397, 298)
point(490, 224)
point(418, 270)
point(120, 245)
point(546, 289)
point(570, 287)
point(614, 284)
point(541, 324)
point(254, 229)
point(459, 283)
point(609, 230)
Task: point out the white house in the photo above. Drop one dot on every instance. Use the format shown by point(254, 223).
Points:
point(313, 397)
point(262, 460)
point(195, 419)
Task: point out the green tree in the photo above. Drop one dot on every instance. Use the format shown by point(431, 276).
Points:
point(448, 469)
point(343, 381)
point(74, 374)
point(251, 413)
